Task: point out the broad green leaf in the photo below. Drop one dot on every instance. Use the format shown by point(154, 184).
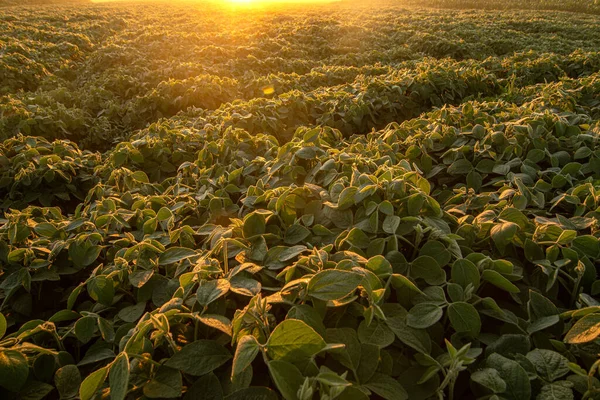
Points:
point(293, 340)
point(207, 387)
point(14, 369)
point(254, 224)
point(333, 284)
point(503, 233)
point(132, 313)
point(118, 377)
point(253, 392)
point(556, 391)
point(437, 251)
point(358, 238)
point(379, 266)
point(490, 379)
point(209, 291)
point(35, 390)
point(101, 289)
point(549, 364)
point(427, 268)
point(369, 361)
point(517, 381)
point(295, 234)
point(464, 272)
point(245, 352)
point(67, 381)
point(390, 224)
point(166, 383)
point(308, 314)
point(199, 357)
point(93, 383)
point(464, 318)
point(377, 333)
point(3, 326)
point(386, 387)
point(423, 315)
point(418, 339)
point(175, 254)
point(349, 356)
point(496, 279)
point(400, 282)
point(287, 378)
point(85, 328)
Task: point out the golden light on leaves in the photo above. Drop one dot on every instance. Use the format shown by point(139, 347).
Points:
point(585, 330)
point(268, 90)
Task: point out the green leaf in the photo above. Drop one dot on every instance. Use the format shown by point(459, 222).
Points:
point(423, 315)
point(517, 380)
point(474, 180)
point(207, 387)
point(377, 333)
point(346, 199)
point(349, 356)
point(503, 233)
point(199, 357)
point(245, 352)
point(556, 391)
point(511, 214)
point(587, 245)
point(386, 387)
point(308, 314)
point(379, 266)
point(369, 361)
point(427, 268)
point(498, 280)
point(460, 167)
point(437, 251)
point(333, 284)
point(118, 377)
point(418, 339)
point(400, 281)
point(490, 379)
point(3, 325)
point(175, 254)
point(35, 390)
point(209, 291)
point(332, 379)
point(101, 289)
point(132, 313)
point(391, 224)
point(549, 364)
point(67, 380)
point(358, 238)
point(92, 383)
point(464, 272)
point(295, 234)
point(85, 328)
point(14, 369)
point(254, 224)
point(464, 318)
point(287, 378)
point(585, 330)
point(415, 203)
point(254, 393)
point(293, 340)
point(167, 383)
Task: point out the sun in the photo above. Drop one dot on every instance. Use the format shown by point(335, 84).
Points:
point(240, 1)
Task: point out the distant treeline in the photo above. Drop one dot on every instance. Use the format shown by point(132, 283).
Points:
point(4, 3)
point(581, 6)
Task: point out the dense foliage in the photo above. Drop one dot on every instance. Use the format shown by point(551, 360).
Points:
point(339, 202)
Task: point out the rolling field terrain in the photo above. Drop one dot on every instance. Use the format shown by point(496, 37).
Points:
point(330, 201)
